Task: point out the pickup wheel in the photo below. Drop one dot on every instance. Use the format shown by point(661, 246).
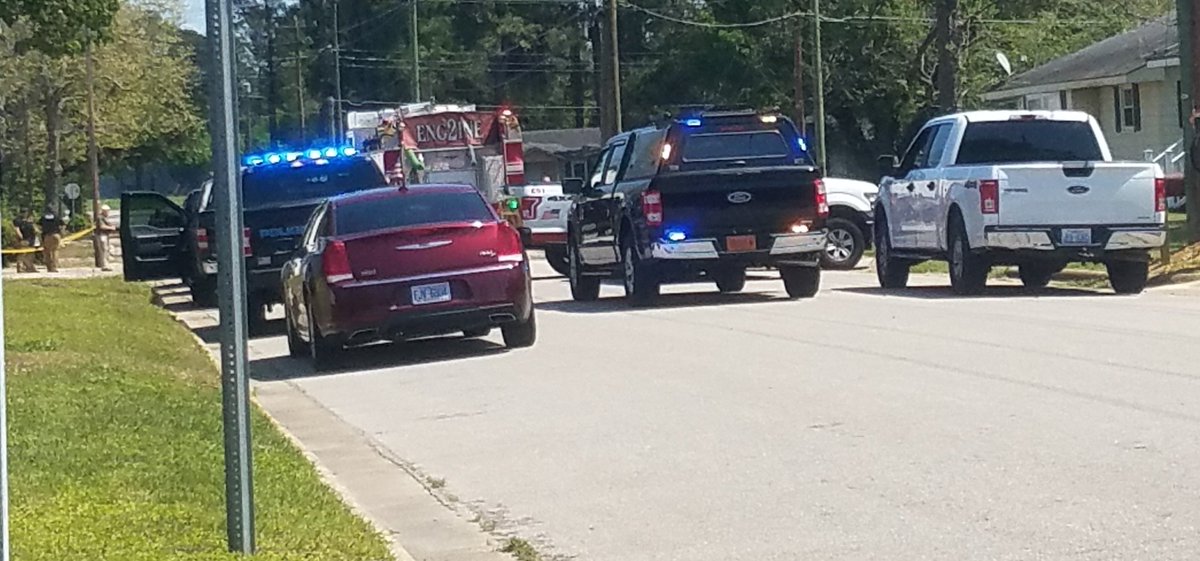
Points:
point(845, 247)
point(204, 291)
point(1128, 277)
point(892, 272)
point(583, 289)
point(730, 280)
point(520, 335)
point(641, 284)
point(968, 271)
point(801, 282)
point(1036, 275)
point(558, 259)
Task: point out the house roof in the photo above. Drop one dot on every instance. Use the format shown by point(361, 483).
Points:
point(562, 141)
point(1098, 64)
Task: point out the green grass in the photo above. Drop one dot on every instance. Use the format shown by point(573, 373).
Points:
point(1177, 230)
point(520, 549)
point(116, 444)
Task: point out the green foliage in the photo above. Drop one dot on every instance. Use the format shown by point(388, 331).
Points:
point(116, 440)
point(79, 221)
point(9, 236)
point(60, 27)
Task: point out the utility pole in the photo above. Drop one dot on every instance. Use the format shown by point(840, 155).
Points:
point(615, 65)
point(798, 73)
point(300, 81)
point(1189, 51)
point(819, 94)
point(947, 66)
point(231, 282)
point(93, 155)
point(416, 56)
point(337, 75)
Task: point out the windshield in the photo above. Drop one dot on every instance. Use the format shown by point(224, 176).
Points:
point(1028, 141)
point(734, 146)
point(412, 209)
point(282, 184)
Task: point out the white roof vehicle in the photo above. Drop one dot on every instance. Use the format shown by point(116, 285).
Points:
point(1035, 189)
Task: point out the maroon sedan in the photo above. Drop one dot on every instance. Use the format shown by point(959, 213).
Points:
point(397, 264)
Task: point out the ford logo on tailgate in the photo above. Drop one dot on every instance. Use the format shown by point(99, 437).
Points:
point(1078, 189)
point(739, 197)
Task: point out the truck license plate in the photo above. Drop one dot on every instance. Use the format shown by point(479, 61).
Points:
point(431, 293)
point(740, 243)
point(1077, 236)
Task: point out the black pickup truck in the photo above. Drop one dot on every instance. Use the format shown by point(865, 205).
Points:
point(163, 240)
point(703, 197)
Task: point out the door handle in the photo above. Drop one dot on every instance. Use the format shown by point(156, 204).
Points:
point(911, 187)
point(931, 186)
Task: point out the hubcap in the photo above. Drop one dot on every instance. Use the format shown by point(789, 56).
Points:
point(840, 245)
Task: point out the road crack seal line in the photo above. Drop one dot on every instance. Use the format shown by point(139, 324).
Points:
point(942, 368)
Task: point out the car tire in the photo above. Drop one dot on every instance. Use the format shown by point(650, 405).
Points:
point(968, 270)
point(583, 288)
point(846, 244)
point(520, 335)
point(891, 272)
point(204, 291)
point(323, 351)
point(641, 284)
point(801, 282)
point(1128, 277)
point(558, 259)
point(477, 332)
point(730, 280)
point(1036, 275)
point(296, 346)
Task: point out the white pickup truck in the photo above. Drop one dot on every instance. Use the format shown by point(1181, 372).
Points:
point(1035, 189)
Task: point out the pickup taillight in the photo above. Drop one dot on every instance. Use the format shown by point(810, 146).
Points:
point(246, 251)
point(652, 208)
point(1160, 194)
point(201, 235)
point(989, 196)
point(821, 198)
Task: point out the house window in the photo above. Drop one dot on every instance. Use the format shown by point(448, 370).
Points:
point(1044, 102)
point(1127, 106)
point(575, 170)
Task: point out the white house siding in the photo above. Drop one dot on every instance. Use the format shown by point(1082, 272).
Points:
point(1160, 117)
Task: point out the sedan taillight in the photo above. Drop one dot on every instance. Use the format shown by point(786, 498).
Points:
point(335, 263)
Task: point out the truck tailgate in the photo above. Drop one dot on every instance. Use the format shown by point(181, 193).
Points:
point(1099, 193)
point(274, 232)
point(741, 200)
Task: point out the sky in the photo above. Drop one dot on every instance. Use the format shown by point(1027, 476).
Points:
point(193, 15)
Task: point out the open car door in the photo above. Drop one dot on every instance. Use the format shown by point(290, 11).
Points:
point(151, 237)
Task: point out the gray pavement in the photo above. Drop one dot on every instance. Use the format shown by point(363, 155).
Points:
point(859, 425)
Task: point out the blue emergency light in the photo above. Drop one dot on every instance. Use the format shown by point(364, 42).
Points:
point(693, 122)
point(297, 159)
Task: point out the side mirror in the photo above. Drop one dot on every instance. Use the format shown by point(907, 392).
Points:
point(573, 186)
point(526, 236)
point(888, 165)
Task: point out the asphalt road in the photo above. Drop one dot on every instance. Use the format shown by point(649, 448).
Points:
point(859, 425)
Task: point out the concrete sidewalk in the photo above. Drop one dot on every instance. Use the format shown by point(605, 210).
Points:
point(409, 509)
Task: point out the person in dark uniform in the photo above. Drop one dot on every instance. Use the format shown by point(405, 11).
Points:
point(52, 227)
point(24, 226)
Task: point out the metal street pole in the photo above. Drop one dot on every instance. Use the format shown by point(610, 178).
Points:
point(231, 283)
point(615, 67)
point(5, 554)
point(416, 56)
point(337, 74)
point(300, 81)
point(819, 94)
point(93, 154)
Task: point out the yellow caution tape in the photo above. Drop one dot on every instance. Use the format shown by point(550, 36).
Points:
point(77, 235)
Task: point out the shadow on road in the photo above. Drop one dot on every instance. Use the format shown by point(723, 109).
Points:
point(666, 301)
point(211, 335)
point(946, 293)
point(381, 355)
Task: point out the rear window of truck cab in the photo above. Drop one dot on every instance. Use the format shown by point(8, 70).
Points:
point(749, 140)
point(1040, 140)
point(281, 184)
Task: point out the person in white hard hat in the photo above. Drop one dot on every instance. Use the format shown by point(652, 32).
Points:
point(106, 228)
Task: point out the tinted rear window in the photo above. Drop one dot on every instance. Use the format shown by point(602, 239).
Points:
point(410, 210)
point(281, 184)
point(735, 146)
point(1028, 141)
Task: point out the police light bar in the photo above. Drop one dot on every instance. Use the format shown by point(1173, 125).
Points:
point(298, 159)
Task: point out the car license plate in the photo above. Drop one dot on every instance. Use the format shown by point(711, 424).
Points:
point(1077, 236)
point(431, 293)
point(741, 243)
